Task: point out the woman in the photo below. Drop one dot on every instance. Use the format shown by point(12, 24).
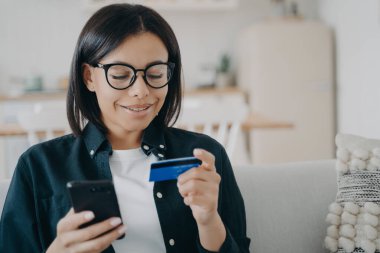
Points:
point(125, 91)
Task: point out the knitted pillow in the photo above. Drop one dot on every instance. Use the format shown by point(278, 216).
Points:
point(354, 217)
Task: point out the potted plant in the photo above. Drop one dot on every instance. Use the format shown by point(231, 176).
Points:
point(223, 74)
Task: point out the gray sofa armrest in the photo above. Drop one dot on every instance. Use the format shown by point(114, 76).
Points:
point(286, 205)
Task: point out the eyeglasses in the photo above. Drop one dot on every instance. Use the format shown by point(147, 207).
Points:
point(122, 76)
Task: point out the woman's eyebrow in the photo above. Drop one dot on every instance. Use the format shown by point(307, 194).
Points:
point(158, 61)
point(149, 63)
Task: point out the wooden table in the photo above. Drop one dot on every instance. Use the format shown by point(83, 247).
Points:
point(11, 129)
point(254, 121)
point(14, 129)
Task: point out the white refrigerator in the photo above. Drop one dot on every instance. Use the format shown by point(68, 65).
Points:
point(286, 66)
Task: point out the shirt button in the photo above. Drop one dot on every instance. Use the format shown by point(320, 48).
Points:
point(171, 242)
point(159, 195)
point(92, 152)
point(146, 147)
point(162, 146)
point(161, 155)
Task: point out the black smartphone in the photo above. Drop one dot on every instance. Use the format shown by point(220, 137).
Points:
point(98, 196)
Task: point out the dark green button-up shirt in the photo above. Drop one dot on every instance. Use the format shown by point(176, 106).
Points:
point(37, 198)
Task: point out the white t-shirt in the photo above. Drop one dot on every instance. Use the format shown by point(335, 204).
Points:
point(130, 172)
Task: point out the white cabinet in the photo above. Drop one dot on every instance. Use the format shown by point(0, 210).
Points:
point(168, 5)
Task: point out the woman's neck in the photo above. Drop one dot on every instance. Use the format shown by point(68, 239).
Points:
point(125, 140)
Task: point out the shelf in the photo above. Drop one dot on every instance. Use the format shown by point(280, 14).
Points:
point(169, 5)
point(35, 96)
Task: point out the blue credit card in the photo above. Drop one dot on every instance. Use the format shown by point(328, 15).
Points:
point(170, 169)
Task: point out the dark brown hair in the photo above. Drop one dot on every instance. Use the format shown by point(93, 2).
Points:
point(104, 32)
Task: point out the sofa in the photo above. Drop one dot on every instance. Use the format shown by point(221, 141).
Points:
point(286, 204)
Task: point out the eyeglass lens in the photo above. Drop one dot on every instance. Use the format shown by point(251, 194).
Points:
point(120, 76)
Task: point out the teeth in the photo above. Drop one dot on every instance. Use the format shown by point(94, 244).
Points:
point(137, 109)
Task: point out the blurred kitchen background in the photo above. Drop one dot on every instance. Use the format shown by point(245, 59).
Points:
point(297, 71)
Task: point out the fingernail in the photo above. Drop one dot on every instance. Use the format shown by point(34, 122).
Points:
point(89, 215)
point(122, 230)
point(197, 151)
point(115, 221)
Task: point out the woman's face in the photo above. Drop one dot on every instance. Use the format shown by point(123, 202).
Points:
point(132, 109)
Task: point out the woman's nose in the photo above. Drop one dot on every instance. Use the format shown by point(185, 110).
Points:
point(139, 88)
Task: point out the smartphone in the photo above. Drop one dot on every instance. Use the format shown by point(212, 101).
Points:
point(97, 196)
point(170, 169)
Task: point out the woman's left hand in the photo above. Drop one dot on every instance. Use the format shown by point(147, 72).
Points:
point(200, 188)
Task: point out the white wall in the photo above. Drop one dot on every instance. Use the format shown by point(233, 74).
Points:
point(38, 36)
point(357, 28)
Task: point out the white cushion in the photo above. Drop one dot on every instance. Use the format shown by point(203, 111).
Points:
point(353, 217)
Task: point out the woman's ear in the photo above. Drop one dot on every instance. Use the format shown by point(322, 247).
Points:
point(88, 77)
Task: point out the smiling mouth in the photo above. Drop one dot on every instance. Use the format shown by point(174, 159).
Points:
point(137, 109)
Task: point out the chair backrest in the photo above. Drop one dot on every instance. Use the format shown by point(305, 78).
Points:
point(44, 121)
point(4, 185)
point(207, 116)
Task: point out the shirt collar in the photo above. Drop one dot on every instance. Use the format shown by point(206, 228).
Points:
point(95, 139)
point(153, 140)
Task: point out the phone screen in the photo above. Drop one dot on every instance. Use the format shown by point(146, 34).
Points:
point(97, 196)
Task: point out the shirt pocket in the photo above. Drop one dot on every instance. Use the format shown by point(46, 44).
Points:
point(55, 203)
point(52, 209)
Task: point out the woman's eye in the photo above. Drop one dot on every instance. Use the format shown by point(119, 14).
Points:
point(155, 76)
point(120, 77)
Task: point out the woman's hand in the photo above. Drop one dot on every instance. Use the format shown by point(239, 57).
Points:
point(200, 188)
point(94, 238)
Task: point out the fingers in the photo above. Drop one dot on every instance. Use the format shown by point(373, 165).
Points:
point(90, 232)
point(205, 201)
point(197, 187)
point(200, 187)
point(200, 180)
point(208, 159)
point(73, 220)
point(194, 173)
point(192, 178)
point(101, 243)
point(70, 212)
point(200, 174)
point(208, 164)
point(94, 238)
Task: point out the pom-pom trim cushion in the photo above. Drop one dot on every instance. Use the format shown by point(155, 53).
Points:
point(353, 219)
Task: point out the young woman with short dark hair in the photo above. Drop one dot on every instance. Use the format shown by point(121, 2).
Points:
point(124, 95)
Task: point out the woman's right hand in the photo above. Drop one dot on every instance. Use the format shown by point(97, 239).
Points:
point(92, 239)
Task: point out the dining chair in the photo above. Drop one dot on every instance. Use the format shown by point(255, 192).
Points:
point(44, 121)
point(221, 123)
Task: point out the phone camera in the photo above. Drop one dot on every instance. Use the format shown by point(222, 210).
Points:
point(100, 189)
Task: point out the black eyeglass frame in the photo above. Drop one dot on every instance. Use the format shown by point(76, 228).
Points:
point(106, 67)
